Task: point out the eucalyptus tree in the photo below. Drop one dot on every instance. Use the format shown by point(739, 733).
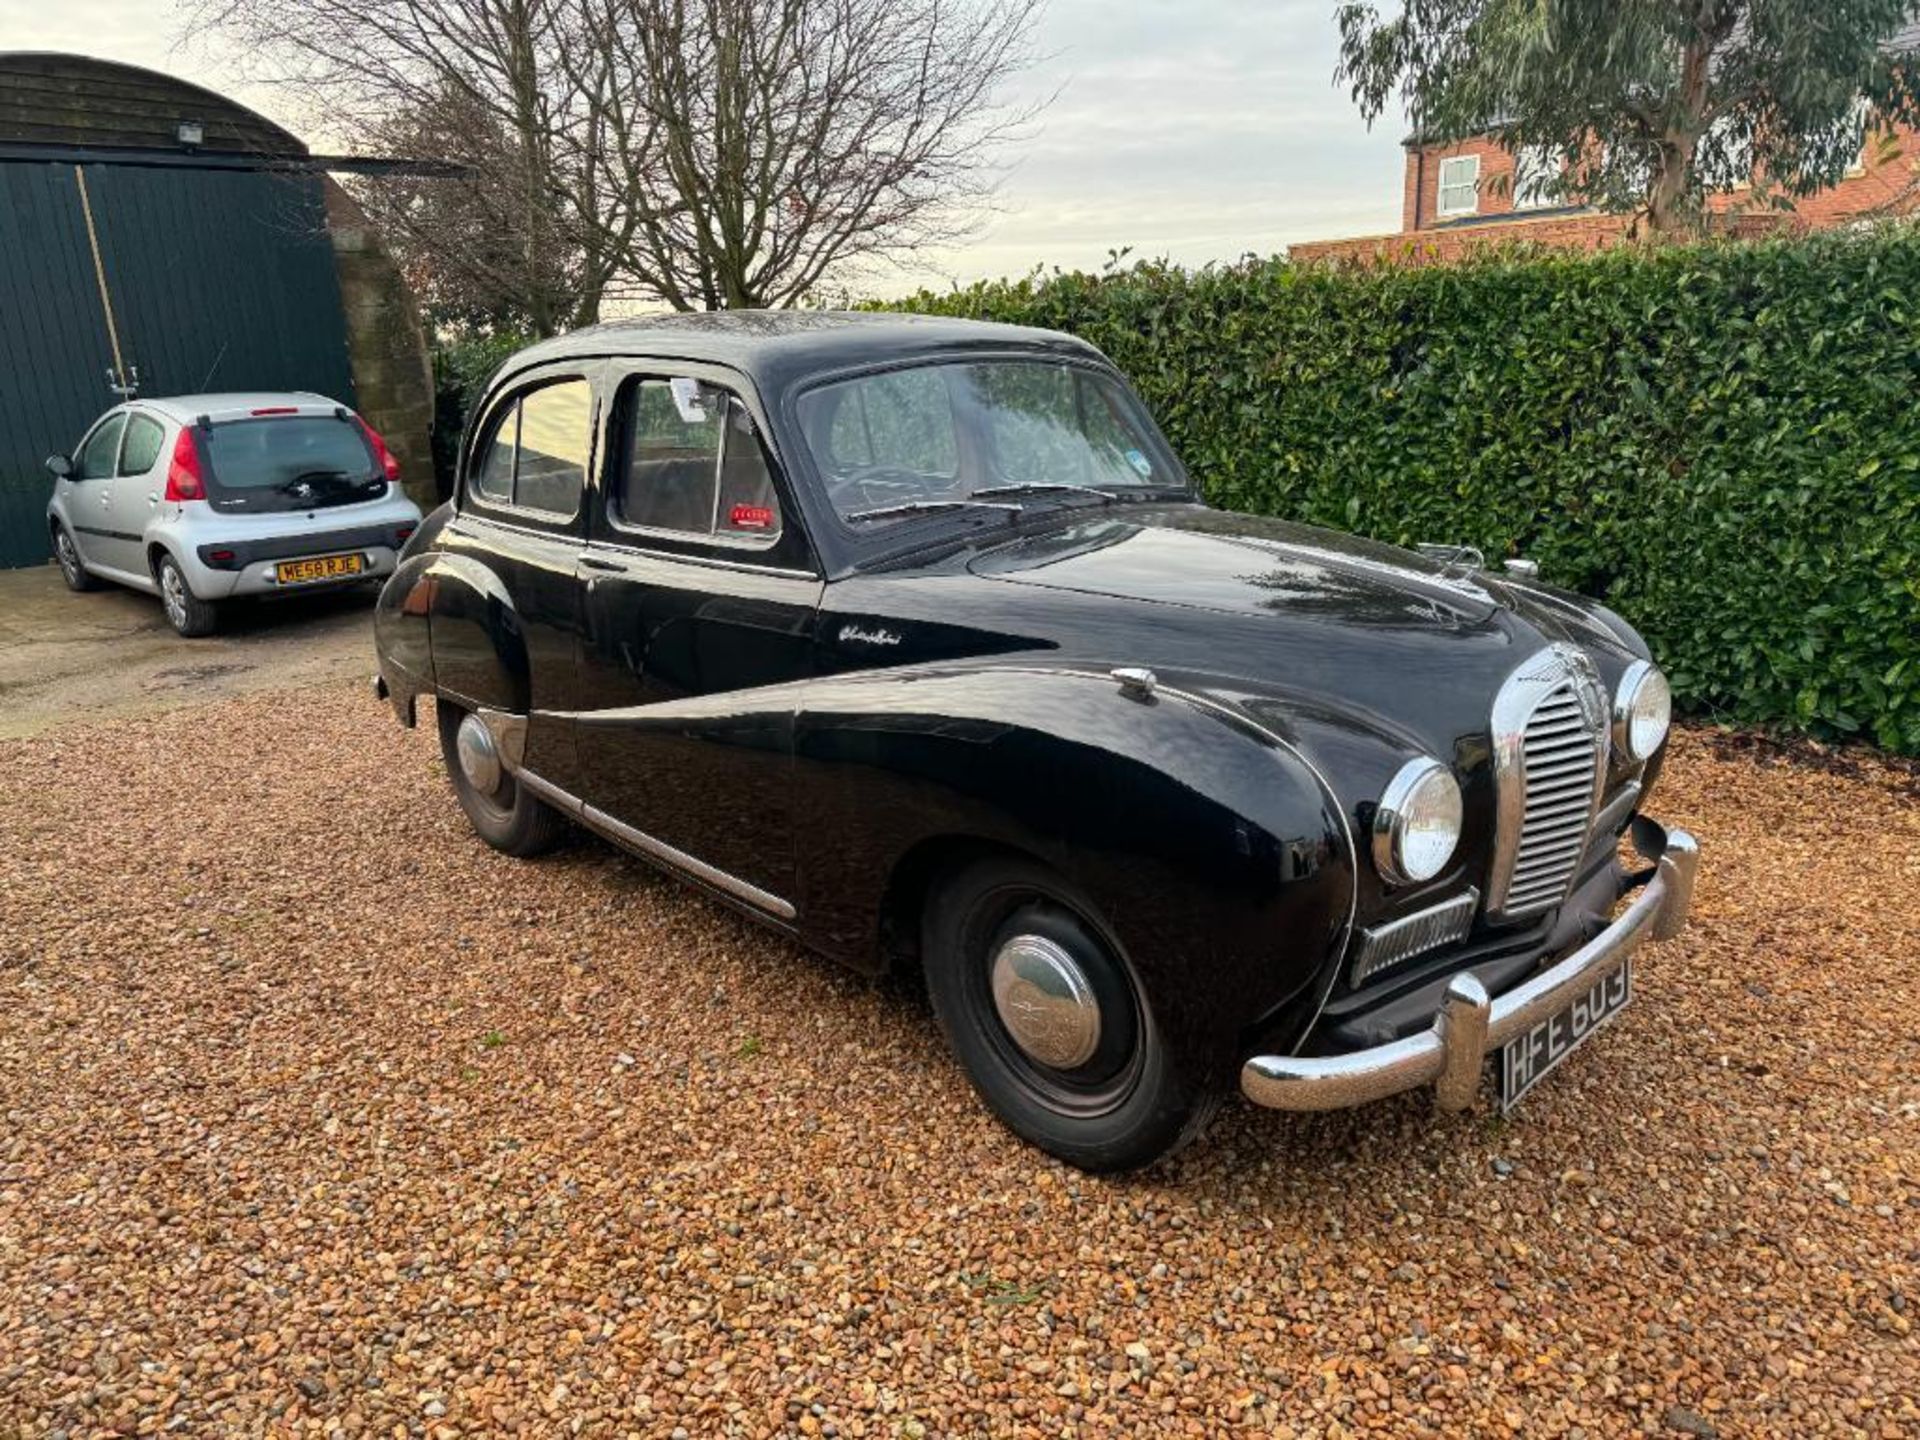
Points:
point(1648, 105)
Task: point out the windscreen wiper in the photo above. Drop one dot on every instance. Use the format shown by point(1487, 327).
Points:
point(922, 507)
point(1041, 487)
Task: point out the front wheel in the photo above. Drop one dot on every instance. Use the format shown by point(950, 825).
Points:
point(506, 814)
point(72, 569)
point(186, 612)
point(1050, 1023)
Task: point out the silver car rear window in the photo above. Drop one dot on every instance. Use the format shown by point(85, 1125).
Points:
point(289, 462)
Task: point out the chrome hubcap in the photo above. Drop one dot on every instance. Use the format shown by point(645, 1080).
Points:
point(173, 591)
point(1045, 1001)
point(63, 547)
point(479, 756)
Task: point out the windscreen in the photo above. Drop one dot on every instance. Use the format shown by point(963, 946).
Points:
point(289, 462)
point(944, 432)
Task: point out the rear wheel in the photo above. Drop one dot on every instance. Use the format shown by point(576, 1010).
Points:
point(1050, 1023)
point(186, 612)
point(67, 554)
point(506, 814)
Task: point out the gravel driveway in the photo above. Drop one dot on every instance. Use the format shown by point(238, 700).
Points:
point(320, 1115)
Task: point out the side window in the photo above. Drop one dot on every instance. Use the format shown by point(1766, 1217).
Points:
point(693, 464)
point(101, 450)
point(556, 430)
point(748, 506)
point(493, 476)
point(144, 435)
point(534, 456)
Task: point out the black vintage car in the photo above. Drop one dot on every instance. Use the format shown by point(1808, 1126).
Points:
point(912, 638)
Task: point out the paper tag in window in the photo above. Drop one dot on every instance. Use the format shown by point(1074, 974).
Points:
point(750, 517)
point(687, 399)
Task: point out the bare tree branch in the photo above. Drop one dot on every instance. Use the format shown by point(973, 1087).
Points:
point(697, 153)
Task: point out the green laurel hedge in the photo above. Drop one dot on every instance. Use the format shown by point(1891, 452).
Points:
point(1722, 441)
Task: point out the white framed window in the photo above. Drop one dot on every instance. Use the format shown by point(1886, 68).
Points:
point(1731, 142)
point(1459, 186)
point(1536, 168)
point(1860, 123)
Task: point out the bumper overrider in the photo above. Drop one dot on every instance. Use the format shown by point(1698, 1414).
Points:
point(1471, 1024)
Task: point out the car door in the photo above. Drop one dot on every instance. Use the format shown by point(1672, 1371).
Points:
point(90, 502)
point(699, 595)
point(523, 520)
point(135, 490)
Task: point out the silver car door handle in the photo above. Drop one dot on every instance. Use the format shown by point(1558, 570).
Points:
point(594, 562)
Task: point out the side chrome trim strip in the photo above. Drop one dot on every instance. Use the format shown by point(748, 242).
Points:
point(624, 835)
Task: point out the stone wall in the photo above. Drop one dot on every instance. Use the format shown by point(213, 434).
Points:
point(392, 374)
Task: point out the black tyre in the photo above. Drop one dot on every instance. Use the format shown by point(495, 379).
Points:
point(506, 814)
point(1050, 1023)
point(67, 554)
point(186, 612)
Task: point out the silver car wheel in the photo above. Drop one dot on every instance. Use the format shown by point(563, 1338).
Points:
point(173, 594)
point(68, 557)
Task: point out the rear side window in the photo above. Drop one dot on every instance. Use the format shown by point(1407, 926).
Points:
point(142, 448)
point(289, 462)
point(535, 455)
point(694, 465)
point(97, 455)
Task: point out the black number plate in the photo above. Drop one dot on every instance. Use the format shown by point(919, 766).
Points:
point(1527, 1058)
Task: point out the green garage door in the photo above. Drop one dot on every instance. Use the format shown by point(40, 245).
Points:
point(217, 279)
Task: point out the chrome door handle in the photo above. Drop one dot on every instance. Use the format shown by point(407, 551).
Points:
point(594, 562)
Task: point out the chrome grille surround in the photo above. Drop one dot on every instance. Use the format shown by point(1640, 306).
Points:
point(1549, 758)
point(1381, 947)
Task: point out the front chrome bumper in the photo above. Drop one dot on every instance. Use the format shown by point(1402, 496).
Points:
point(1470, 1024)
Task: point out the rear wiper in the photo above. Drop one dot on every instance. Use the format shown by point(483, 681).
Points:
point(921, 507)
point(1038, 487)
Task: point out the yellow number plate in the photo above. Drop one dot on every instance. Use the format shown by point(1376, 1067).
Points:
point(321, 567)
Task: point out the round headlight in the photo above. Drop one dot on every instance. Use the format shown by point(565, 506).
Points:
point(1642, 706)
point(1417, 823)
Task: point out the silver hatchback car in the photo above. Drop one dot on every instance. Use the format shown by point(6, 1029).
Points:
point(202, 498)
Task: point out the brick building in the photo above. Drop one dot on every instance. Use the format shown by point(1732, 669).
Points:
point(1456, 197)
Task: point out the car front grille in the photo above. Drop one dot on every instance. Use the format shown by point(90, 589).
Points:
point(1549, 755)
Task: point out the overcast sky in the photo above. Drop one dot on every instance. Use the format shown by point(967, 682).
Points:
point(1195, 131)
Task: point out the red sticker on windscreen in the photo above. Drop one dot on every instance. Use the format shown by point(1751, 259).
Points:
point(751, 517)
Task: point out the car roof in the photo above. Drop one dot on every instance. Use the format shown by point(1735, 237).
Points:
point(780, 346)
point(235, 404)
